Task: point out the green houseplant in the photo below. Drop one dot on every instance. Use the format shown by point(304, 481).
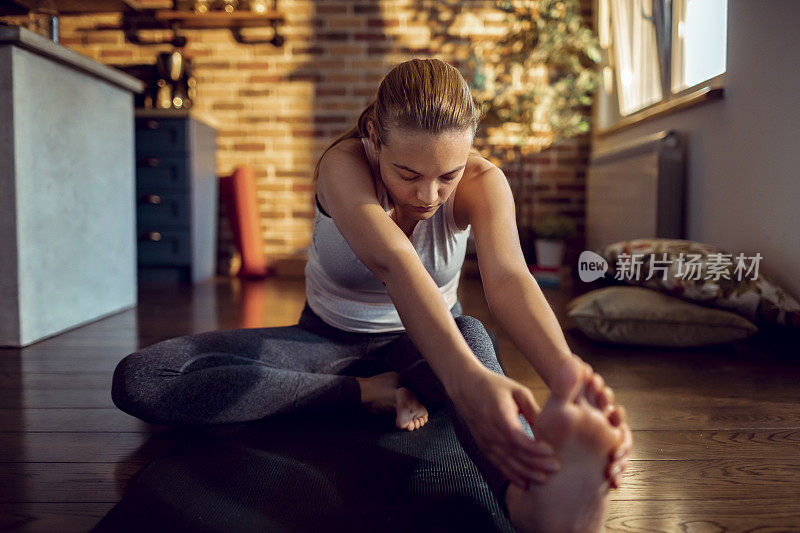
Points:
point(541, 74)
point(550, 233)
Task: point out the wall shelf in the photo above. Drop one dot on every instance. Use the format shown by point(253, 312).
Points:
point(81, 7)
point(160, 15)
point(218, 19)
point(186, 20)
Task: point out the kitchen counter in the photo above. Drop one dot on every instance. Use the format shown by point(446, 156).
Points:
point(38, 44)
point(67, 189)
point(178, 113)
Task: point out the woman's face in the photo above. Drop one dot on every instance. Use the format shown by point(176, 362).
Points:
point(421, 170)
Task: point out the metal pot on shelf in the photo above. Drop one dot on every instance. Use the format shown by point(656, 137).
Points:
point(176, 87)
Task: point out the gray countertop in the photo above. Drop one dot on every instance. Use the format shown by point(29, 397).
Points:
point(38, 44)
point(178, 113)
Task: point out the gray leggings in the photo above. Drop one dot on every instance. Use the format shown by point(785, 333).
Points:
point(242, 375)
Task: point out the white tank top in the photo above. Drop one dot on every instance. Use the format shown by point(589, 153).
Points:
point(347, 295)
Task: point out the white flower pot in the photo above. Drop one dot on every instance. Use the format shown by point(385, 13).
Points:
point(549, 254)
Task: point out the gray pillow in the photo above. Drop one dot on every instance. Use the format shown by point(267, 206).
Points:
point(641, 316)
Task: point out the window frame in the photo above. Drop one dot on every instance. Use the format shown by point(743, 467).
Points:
point(671, 102)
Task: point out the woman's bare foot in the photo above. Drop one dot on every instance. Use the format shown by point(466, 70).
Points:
point(382, 393)
point(574, 498)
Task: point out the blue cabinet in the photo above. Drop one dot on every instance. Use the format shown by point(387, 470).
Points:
point(176, 197)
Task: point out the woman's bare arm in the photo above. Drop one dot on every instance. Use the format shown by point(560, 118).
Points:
point(512, 294)
point(518, 304)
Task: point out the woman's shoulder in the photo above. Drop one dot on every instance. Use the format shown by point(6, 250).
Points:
point(351, 147)
point(476, 165)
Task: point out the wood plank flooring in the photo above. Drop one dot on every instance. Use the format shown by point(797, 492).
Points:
point(716, 430)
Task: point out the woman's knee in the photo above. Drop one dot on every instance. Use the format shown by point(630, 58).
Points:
point(479, 341)
point(121, 386)
point(133, 387)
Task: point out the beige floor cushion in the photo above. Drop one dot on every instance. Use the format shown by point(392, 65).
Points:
point(642, 316)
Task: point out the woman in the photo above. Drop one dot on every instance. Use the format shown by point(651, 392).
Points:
point(382, 327)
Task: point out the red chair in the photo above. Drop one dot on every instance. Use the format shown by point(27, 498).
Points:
point(238, 194)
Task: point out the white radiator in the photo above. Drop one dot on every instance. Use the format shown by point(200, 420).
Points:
point(637, 190)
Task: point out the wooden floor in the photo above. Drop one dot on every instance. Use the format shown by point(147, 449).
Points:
point(716, 431)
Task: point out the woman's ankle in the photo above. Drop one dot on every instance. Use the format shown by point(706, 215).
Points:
point(367, 393)
point(510, 498)
point(378, 389)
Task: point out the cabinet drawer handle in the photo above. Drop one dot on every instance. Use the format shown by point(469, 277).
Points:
point(153, 199)
point(152, 124)
point(154, 236)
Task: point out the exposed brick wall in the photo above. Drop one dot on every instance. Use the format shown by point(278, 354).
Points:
point(278, 108)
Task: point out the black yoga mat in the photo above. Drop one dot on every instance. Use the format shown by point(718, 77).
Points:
point(324, 472)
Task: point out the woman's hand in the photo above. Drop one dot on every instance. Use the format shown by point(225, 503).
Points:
point(602, 397)
point(490, 403)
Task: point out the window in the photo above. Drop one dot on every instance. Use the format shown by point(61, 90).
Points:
point(656, 51)
point(636, 54)
point(699, 41)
